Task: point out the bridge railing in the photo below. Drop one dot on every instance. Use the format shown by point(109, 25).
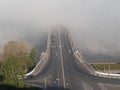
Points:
point(42, 60)
point(107, 75)
point(88, 67)
point(79, 56)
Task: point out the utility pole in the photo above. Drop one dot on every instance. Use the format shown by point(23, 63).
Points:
point(108, 68)
point(104, 67)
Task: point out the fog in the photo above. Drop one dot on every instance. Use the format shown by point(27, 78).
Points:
point(94, 24)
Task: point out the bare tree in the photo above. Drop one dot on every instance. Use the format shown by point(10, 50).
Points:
point(15, 48)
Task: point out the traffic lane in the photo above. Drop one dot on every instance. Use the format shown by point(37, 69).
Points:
point(51, 66)
point(67, 40)
point(75, 82)
point(51, 81)
point(80, 69)
point(46, 56)
point(56, 79)
point(69, 48)
point(48, 67)
point(90, 82)
point(55, 76)
point(75, 75)
point(72, 82)
point(39, 79)
point(90, 77)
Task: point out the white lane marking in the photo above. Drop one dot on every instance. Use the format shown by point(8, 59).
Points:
point(62, 62)
point(86, 86)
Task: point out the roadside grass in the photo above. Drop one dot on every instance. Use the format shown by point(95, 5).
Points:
point(106, 66)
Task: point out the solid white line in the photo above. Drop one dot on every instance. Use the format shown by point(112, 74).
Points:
point(62, 61)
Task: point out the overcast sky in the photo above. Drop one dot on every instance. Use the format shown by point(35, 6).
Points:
point(94, 24)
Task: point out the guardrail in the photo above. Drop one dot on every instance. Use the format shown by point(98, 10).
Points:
point(71, 42)
point(43, 59)
point(79, 56)
point(107, 75)
point(88, 67)
point(85, 65)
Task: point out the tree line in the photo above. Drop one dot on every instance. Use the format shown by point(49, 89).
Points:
point(18, 59)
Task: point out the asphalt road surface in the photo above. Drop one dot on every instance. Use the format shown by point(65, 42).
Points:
point(64, 72)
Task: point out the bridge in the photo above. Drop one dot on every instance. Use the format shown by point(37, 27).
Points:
point(62, 67)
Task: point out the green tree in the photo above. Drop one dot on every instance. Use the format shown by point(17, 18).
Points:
point(12, 70)
point(16, 62)
point(29, 64)
point(33, 53)
point(20, 50)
